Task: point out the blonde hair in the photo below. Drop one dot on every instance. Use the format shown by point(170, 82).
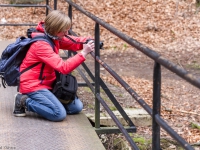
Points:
point(56, 22)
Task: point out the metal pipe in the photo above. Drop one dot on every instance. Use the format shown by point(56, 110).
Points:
point(22, 24)
point(21, 5)
point(70, 12)
point(47, 10)
point(156, 106)
point(55, 4)
point(97, 76)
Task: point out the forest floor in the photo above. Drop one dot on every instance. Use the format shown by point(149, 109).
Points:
point(171, 28)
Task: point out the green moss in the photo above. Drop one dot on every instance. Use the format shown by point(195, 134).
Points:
point(194, 65)
point(106, 99)
point(74, 73)
point(142, 143)
point(198, 4)
point(139, 140)
point(103, 114)
point(116, 141)
point(164, 143)
point(119, 143)
point(87, 89)
point(124, 46)
point(101, 90)
point(195, 125)
point(114, 47)
point(113, 108)
point(90, 106)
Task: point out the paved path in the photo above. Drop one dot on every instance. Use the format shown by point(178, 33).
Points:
point(35, 133)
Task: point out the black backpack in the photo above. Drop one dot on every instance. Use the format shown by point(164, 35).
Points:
point(13, 56)
point(65, 87)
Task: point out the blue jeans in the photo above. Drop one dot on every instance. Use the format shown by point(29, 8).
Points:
point(44, 103)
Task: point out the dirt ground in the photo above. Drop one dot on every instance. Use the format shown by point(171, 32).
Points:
point(170, 28)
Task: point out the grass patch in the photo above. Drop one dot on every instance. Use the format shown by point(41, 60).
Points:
point(194, 65)
point(142, 143)
point(87, 89)
point(113, 108)
point(195, 125)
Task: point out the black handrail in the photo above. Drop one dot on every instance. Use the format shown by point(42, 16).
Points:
point(147, 51)
point(159, 60)
point(28, 5)
point(156, 106)
point(98, 83)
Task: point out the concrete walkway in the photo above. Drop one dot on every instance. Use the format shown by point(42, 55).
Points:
point(35, 133)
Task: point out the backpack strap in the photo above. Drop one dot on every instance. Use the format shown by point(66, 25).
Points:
point(41, 72)
point(43, 38)
point(39, 38)
point(43, 64)
point(29, 67)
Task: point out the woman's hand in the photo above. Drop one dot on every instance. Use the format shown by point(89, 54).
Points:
point(87, 48)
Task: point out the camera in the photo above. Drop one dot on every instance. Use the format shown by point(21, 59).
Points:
point(100, 43)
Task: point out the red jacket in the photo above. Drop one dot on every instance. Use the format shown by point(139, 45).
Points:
point(41, 51)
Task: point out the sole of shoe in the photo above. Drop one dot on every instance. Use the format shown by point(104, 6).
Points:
point(17, 115)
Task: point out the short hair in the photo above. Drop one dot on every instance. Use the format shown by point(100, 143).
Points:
point(56, 21)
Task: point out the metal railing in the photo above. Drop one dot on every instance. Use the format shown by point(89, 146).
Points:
point(157, 121)
point(28, 5)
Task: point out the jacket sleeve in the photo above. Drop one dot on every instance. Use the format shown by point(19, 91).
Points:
point(67, 44)
point(45, 53)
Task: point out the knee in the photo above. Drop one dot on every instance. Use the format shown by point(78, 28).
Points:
point(60, 116)
point(79, 106)
point(75, 107)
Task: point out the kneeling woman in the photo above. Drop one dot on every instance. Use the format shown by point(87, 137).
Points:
point(35, 93)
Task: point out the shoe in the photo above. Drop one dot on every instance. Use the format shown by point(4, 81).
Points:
point(20, 105)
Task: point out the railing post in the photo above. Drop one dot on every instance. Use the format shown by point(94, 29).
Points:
point(55, 4)
point(47, 10)
point(156, 106)
point(70, 12)
point(70, 16)
point(97, 76)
